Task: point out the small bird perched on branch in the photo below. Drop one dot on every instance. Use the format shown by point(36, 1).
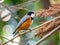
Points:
point(25, 22)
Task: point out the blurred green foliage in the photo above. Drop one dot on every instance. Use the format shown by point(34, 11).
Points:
point(21, 13)
point(1, 29)
point(9, 2)
point(14, 2)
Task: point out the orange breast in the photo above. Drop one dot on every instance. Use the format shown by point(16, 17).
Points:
point(25, 25)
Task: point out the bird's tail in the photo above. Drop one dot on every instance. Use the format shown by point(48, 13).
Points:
point(14, 33)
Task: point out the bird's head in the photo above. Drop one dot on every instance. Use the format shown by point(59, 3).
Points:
point(32, 14)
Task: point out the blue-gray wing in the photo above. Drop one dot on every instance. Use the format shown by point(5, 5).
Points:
point(22, 20)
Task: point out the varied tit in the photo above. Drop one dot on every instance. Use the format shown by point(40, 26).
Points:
point(25, 22)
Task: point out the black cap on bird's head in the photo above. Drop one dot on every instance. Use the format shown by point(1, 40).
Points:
point(32, 14)
point(29, 13)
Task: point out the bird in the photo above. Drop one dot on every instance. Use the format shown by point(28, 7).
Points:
point(25, 22)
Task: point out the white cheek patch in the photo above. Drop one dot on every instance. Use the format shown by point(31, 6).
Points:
point(32, 15)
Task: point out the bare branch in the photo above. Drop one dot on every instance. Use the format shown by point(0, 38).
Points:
point(6, 6)
point(46, 22)
point(22, 5)
point(25, 3)
point(4, 16)
point(50, 26)
point(47, 35)
point(8, 39)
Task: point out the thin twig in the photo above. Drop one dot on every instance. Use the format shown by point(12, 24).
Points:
point(6, 6)
point(8, 39)
point(46, 22)
point(32, 29)
point(19, 6)
point(47, 35)
point(25, 3)
point(4, 16)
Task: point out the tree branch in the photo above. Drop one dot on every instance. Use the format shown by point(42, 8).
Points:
point(6, 6)
point(46, 22)
point(25, 3)
point(8, 39)
point(47, 35)
point(50, 26)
